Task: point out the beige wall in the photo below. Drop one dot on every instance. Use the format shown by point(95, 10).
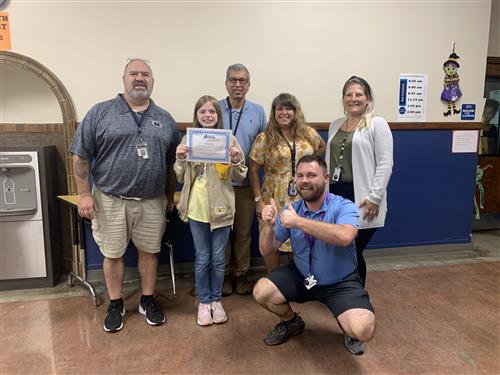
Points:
point(494, 43)
point(308, 49)
point(26, 98)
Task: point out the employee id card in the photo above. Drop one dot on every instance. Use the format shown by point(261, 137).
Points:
point(142, 150)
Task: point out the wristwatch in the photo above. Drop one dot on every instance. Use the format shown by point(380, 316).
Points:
point(257, 199)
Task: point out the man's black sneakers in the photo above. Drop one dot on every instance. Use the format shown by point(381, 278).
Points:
point(354, 346)
point(149, 307)
point(284, 330)
point(114, 317)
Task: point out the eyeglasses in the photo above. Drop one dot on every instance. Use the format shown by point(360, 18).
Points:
point(242, 81)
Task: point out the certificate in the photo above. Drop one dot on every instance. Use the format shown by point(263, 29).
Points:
point(208, 145)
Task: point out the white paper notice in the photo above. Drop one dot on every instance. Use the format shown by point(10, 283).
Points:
point(464, 141)
point(412, 97)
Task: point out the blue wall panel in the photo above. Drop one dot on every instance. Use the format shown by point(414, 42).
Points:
point(430, 200)
point(430, 196)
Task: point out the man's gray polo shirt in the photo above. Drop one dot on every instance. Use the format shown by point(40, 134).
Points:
point(108, 136)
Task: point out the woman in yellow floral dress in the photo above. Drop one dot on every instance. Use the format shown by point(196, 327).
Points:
point(277, 150)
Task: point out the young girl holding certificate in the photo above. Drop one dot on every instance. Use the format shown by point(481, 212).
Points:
point(207, 203)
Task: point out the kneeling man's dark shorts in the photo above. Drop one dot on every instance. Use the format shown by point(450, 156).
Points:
point(345, 295)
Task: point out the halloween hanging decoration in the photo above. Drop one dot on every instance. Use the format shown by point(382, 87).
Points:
point(479, 185)
point(451, 90)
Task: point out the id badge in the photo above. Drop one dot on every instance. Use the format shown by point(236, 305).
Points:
point(292, 189)
point(336, 174)
point(310, 281)
point(142, 150)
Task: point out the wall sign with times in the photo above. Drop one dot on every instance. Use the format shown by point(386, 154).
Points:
point(412, 97)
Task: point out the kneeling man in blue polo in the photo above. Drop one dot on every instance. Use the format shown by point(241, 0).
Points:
point(322, 228)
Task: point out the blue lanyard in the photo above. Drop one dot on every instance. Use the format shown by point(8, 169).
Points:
point(138, 118)
point(231, 116)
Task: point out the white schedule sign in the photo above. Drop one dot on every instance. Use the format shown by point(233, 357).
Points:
point(412, 97)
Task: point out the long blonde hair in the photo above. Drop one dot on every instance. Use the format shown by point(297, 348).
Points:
point(370, 107)
point(299, 127)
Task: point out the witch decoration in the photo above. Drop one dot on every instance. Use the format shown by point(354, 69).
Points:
point(451, 92)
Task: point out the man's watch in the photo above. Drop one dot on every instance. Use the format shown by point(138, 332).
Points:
point(257, 199)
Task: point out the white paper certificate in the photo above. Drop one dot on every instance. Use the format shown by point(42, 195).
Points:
point(208, 145)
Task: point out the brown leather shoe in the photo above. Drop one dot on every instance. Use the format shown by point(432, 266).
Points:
point(227, 286)
point(193, 292)
point(243, 285)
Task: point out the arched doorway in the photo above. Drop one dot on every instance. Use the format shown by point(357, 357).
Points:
point(63, 98)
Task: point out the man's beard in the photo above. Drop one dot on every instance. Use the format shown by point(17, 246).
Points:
point(312, 195)
point(139, 95)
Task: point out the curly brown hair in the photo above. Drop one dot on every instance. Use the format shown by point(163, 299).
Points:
point(299, 127)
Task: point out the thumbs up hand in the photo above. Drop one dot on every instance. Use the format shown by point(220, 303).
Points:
point(289, 218)
point(269, 213)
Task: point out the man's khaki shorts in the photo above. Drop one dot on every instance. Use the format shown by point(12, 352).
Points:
point(117, 221)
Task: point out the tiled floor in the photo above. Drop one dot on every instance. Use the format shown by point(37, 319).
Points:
point(437, 313)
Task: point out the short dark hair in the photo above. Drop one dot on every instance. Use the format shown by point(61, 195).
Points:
point(312, 159)
point(237, 68)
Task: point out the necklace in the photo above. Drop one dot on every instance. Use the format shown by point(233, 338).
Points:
point(347, 125)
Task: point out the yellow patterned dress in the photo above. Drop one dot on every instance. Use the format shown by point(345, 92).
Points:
point(278, 171)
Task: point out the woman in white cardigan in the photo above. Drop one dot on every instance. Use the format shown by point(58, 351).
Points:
point(359, 158)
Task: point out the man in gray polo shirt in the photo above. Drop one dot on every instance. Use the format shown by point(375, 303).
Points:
point(131, 142)
point(245, 119)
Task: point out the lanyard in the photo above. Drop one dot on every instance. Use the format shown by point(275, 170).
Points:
point(311, 240)
point(292, 153)
point(231, 116)
point(138, 118)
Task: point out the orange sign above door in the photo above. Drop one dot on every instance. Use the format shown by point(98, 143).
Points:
point(4, 31)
